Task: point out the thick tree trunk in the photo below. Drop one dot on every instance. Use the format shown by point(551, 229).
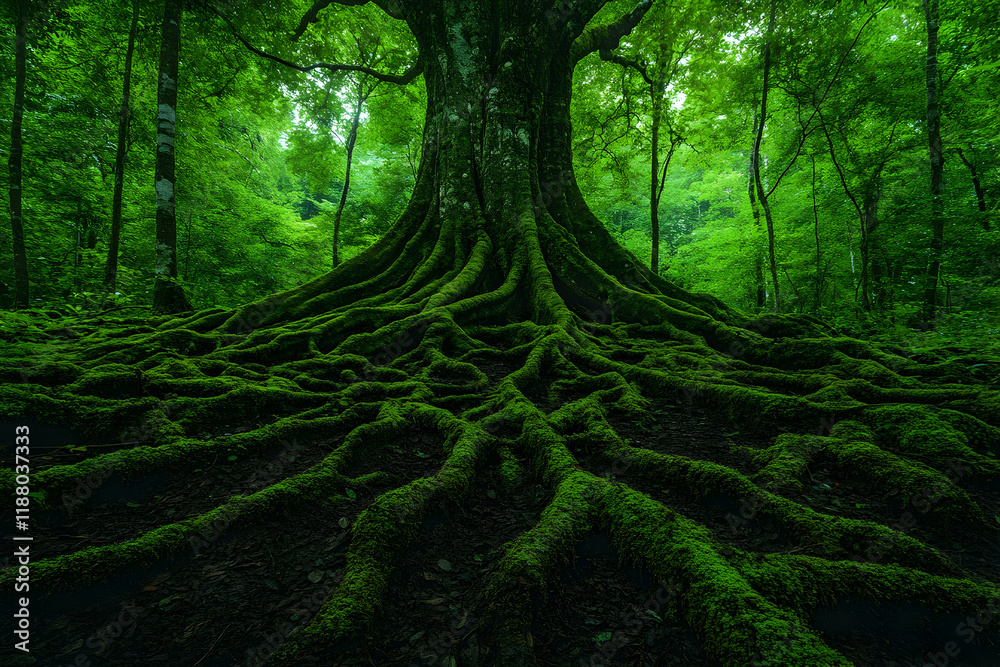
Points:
point(21, 283)
point(168, 295)
point(111, 268)
point(937, 162)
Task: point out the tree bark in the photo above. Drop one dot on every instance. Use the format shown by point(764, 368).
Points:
point(168, 295)
point(111, 268)
point(936, 161)
point(21, 283)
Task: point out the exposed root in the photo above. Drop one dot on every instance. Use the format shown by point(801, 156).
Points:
point(416, 342)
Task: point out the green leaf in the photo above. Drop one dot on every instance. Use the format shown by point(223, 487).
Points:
point(232, 457)
point(603, 637)
point(350, 493)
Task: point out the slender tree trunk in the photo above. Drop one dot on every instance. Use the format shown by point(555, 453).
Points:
point(761, 192)
point(21, 284)
point(937, 162)
point(758, 255)
point(980, 196)
point(111, 268)
point(819, 272)
point(656, 91)
point(863, 213)
point(656, 193)
point(351, 139)
point(168, 295)
point(869, 223)
point(76, 248)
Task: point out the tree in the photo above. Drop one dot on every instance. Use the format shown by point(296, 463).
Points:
point(499, 315)
point(936, 161)
point(352, 137)
point(111, 268)
point(667, 48)
point(757, 184)
point(21, 284)
point(168, 294)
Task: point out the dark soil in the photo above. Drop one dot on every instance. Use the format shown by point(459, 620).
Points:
point(248, 588)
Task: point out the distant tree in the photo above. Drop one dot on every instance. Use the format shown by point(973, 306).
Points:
point(21, 289)
point(937, 161)
point(111, 268)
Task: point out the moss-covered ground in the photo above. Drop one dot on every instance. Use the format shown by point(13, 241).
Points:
point(332, 478)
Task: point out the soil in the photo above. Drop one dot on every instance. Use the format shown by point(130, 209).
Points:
point(245, 590)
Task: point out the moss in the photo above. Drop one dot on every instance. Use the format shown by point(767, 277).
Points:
point(404, 339)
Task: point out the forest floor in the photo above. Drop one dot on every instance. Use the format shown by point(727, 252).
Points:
point(246, 589)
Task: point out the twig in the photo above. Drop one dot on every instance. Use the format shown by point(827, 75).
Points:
point(800, 548)
point(213, 645)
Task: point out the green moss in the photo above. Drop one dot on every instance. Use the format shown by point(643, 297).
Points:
point(400, 341)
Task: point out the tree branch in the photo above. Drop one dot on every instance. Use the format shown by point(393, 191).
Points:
point(391, 7)
point(402, 79)
point(833, 79)
point(222, 90)
point(639, 67)
point(607, 37)
point(273, 243)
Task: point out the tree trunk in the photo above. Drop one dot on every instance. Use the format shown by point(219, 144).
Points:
point(818, 278)
point(168, 295)
point(351, 139)
point(761, 192)
point(656, 93)
point(21, 283)
point(937, 162)
point(111, 268)
point(656, 191)
point(980, 195)
point(758, 253)
point(869, 223)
